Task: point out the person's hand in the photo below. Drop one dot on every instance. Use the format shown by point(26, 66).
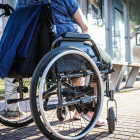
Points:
point(85, 31)
point(81, 20)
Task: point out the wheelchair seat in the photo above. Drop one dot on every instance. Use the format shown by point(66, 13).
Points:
point(76, 35)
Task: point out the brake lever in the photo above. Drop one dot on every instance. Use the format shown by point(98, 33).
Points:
point(8, 9)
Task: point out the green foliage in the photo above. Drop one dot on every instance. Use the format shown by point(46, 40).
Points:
point(124, 91)
point(131, 31)
point(135, 12)
point(1, 91)
point(2, 86)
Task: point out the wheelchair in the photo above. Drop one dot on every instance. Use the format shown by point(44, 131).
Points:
point(54, 95)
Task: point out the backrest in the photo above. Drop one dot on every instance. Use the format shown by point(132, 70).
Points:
point(44, 45)
point(39, 46)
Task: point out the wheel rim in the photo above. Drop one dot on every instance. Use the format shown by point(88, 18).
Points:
point(40, 96)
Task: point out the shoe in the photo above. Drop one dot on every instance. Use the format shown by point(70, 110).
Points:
point(100, 122)
point(77, 117)
point(86, 117)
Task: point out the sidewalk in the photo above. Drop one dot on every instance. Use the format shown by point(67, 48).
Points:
point(128, 126)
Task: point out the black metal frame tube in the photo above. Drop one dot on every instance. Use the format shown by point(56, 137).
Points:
point(12, 101)
point(50, 107)
point(59, 92)
point(107, 84)
point(46, 94)
point(76, 75)
point(21, 86)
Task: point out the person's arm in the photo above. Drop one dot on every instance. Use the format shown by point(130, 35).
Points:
point(81, 20)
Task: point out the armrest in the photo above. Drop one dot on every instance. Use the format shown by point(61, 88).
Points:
point(76, 35)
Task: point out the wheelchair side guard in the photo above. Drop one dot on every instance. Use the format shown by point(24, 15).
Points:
point(89, 47)
point(75, 39)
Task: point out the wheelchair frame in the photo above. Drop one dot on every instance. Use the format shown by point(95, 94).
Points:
point(105, 78)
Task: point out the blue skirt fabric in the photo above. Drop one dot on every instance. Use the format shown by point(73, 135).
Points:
point(14, 32)
point(23, 48)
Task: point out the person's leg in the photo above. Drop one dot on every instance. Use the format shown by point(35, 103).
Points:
point(78, 82)
point(88, 116)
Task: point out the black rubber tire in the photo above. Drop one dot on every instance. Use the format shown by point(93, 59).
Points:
point(7, 123)
point(36, 116)
point(111, 119)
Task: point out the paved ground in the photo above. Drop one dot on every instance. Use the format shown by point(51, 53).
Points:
point(128, 126)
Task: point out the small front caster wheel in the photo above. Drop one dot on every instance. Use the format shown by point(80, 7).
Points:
point(62, 113)
point(111, 119)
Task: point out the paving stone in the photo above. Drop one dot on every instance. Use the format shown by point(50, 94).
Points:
point(126, 133)
point(11, 138)
point(91, 136)
point(33, 137)
point(134, 138)
point(21, 136)
point(121, 136)
point(43, 138)
point(118, 139)
point(3, 137)
point(98, 138)
point(138, 132)
point(105, 135)
point(111, 135)
point(129, 130)
point(32, 132)
point(137, 135)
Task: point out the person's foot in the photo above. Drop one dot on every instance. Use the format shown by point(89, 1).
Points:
point(77, 117)
point(101, 122)
point(88, 117)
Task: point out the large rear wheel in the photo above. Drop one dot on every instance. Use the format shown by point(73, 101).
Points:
point(13, 112)
point(59, 73)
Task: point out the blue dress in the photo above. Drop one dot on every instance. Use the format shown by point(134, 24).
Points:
point(63, 11)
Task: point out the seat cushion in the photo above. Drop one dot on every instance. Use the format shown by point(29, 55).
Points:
point(76, 35)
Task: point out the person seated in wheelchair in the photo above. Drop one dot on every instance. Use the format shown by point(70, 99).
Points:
point(69, 18)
